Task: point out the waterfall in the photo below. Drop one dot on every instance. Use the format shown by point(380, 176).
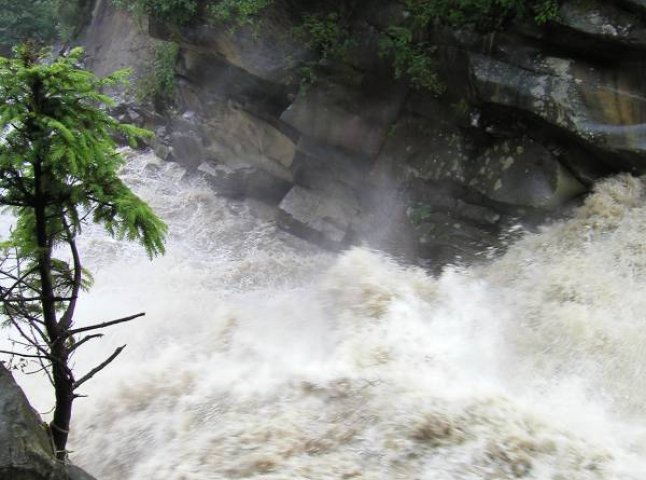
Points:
point(262, 357)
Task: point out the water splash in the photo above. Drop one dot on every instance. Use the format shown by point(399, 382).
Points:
point(261, 357)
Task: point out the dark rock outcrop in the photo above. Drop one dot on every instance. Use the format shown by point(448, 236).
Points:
point(26, 451)
point(531, 118)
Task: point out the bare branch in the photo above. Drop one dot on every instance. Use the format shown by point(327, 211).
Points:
point(43, 367)
point(25, 344)
point(18, 281)
point(32, 341)
point(83, 340)
point(36, 299)
point(98, 368)
point(25, 355)
point(46, 370)
point(103, 325)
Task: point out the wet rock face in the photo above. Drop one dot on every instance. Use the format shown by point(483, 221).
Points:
point(604, 21)
point(322, 217)
point(266, 50)
point(532, 117)
point(600, 106)
point(346, 116)
point(25, 448)
point(114, 41)
point(522, 172)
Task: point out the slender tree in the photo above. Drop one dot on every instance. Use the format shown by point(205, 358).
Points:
point(58, 170)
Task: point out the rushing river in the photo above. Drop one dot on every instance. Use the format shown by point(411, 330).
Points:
point(262, 357)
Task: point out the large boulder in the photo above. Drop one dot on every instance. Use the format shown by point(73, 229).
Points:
point(601, 107)
point(245, 182)
point(532, 117)
point(604, 21)
point(322, 217)
point(115, 41)
point(26, 451)
point(265, 49)
point(241, 154)
point(354, 117)
point(316, 165)
point(524, 173)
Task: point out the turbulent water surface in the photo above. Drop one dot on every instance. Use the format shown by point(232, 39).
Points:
point(261, 357)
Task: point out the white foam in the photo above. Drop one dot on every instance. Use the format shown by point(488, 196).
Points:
point(262, 358)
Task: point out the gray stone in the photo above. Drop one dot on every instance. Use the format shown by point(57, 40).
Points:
point(161, 148)
point(26, 451)
point(316, 165)
point(320, 217)
point(240, 182)
point(604, 108)
point(76, 473)
point(604, 21)
point(187, 149)
point(240, 154)
point(638, 5)
point(575, 86)
point(349, 117)
point(523, 173)
point(418, 147)
point(263, 49)
point(114, 41)
point(443, 238)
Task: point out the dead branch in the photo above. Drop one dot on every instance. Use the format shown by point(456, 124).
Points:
point(103, 325)
point(98, 368)
point(25, 355)
point(83, 340)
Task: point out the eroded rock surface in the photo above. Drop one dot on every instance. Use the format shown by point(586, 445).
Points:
point(26, 451)
point(531, 118)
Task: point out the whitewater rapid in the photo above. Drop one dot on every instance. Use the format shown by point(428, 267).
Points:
point(263, 357)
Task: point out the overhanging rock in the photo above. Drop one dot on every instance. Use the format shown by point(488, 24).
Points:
point(26, 452)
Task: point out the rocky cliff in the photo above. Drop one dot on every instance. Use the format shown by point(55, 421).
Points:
point(25, 448)
point(530, 118)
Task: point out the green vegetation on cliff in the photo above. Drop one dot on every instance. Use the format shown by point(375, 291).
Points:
point(238, 12)
point(413, 60)
point(327, 29)
point(177, 12)
point(158, 84)
point(482, 14)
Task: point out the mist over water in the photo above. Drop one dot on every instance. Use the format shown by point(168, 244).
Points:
point(262, 357)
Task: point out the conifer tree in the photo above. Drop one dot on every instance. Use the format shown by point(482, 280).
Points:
point(58, 170)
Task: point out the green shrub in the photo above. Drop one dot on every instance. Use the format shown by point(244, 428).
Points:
point(327, 33)
point(419, 212)
point(411, 60)
point(182, 12)
point(416, 61)
point(158, 85)
point(237, 12)
point(483, 14)
point(72, 17)
point(178, 12)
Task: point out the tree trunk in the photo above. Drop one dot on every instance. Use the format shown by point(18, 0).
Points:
point(61, 373)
